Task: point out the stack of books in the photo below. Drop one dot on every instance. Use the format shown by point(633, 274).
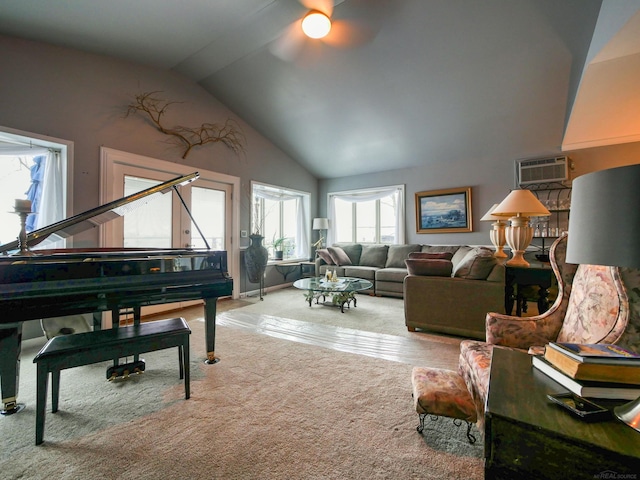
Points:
point(592, 370)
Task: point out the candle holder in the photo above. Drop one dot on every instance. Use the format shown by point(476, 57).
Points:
point(23, 213)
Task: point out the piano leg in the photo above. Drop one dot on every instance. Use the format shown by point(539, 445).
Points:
point(210, 329)
point(10, 346)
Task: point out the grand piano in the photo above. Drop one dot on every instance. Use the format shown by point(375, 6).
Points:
point(37, 284)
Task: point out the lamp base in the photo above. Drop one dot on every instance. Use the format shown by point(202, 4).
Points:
point(629, 413)
point(500, 253)
point(518, 260)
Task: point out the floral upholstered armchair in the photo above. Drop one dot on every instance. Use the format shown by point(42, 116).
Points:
point(595, 304)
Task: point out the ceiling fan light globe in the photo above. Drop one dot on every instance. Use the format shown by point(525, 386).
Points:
point(316, 25)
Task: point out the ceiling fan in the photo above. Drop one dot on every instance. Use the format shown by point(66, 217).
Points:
point(337, 32)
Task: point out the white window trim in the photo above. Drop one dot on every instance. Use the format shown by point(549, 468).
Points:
point(369, 194)
point(303, 231)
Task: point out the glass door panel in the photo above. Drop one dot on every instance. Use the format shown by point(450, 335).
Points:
point(208, 208)
point(150, 225)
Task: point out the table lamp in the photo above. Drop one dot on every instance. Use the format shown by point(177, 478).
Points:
point(519, 205)
point(604, 229)
point(320, 224)
point(497, 233)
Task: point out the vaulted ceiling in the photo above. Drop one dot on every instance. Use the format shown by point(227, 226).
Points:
point(397, 83)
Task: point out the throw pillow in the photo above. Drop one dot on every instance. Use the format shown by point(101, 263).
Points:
point(339, 256)
point(429, 267)
point(433, 256)
point(324, 254)
point(476, 265)
point(398, 253)
point(374, 255)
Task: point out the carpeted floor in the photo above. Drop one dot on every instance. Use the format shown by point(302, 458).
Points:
point(272, 408)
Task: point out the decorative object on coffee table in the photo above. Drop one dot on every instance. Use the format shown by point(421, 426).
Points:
point(604, 230)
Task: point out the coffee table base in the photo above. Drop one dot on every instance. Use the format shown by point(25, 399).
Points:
point(338, 299)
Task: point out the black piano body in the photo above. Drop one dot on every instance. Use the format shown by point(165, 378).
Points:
point(54, 283)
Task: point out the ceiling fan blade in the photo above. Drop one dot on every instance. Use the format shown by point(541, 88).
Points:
point(324, 6)
point(288, 46)
point(348, 34)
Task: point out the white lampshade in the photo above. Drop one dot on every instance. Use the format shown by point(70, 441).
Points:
point(489, 217)
point(316, 25)
point(521, 203)
point(321, 224)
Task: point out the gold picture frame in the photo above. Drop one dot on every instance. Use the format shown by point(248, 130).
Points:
point(444, 211)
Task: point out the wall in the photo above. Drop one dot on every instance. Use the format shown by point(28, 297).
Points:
point(490, 179)
point(82, 97)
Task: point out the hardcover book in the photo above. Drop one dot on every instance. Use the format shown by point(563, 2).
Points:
point(597, 353)
point(602, 372)
point(587, 388)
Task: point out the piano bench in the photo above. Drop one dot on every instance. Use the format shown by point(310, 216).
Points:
point(69, 351)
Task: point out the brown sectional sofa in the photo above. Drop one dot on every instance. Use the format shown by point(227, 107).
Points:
point(455, 304)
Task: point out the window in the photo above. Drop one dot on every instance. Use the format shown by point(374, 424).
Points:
point(281, 216)
point(367, 216)
point(32, 167)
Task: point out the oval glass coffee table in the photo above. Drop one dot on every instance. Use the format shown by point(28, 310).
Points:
point(341, 292)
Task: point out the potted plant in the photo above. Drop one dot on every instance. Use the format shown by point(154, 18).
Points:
point(278, 247)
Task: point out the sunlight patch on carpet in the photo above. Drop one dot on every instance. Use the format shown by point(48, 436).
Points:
point(377, 345)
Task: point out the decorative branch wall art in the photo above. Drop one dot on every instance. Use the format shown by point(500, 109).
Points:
point(229, 133)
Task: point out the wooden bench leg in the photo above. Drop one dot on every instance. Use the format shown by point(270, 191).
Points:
point(55, 390)
point(186, 367)
point(41, 401)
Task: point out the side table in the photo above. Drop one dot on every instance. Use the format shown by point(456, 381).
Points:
point(529, 437)
point(537, 274)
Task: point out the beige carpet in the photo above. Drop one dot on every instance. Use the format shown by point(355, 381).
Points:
point(272, 408)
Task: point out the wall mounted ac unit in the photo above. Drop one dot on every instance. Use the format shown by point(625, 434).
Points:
point(543, 170)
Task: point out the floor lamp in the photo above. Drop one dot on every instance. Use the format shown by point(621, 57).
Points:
point(320, 224)
point(519, 205)
point(604, 229)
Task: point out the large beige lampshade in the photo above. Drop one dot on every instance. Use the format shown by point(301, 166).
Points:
point(519, 205)
point(497, 234)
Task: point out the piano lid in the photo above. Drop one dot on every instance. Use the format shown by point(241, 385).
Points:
point(99, 215)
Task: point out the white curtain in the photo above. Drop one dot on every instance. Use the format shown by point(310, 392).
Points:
point(366, 196)
point(302, 236)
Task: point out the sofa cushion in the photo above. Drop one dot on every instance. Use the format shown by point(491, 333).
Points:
point(476, 265)
point(353, 251)
point(440, 248)
point(339, 256)
point(429, 267)
point(374, 255)
point(426, 255)
point(460, 254)
point(398, 253)
point(367, 273)
point(324, 254)
point(391, 274)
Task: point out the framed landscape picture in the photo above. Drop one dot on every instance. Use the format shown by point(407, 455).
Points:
point(444, 211)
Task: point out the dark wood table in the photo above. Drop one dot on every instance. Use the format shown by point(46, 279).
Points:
point(528, 437)
point(537, 274)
